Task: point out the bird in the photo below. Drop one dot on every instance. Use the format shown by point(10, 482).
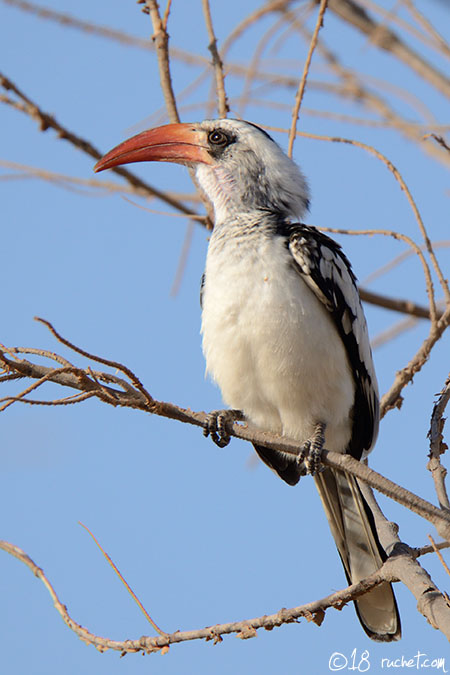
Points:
point(283, 328)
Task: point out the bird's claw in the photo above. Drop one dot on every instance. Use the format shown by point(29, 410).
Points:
point(311, 452)
point(217, 425)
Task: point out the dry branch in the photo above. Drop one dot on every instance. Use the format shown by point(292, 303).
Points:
point(161, 40)
point(47, 121)
point(437, 613)
point(399, 178)
point(438, 447)
point(386, 39)
point(401, 566)
point(392, 398)
point(133, 394)
point(23, 171)
point(222, 104)
point(302, 84)
point(397, 304)
point(127, 390)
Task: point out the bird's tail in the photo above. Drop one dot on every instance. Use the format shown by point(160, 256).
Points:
point(353, 528)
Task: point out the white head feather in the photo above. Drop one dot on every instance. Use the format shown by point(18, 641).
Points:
point(250, 173)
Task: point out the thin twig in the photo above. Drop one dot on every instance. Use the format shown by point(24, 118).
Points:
point(302, 84)
point(412, 203)
point(422, 20)
point(166, 214)
point(137, 399)
point(356, 86)
point(107, 362)
point(125, 583)
point(69, 400)
point(405, 25)
point(47, 121)
point(165, 20)
point(433, 315)
point(401, 567)
point(395, 262)
point(222, 103)
point(351, 12)
point(45, 378)
point(250, 20)
point(254, 66)
point(398, 328)
point(312, 611)
point(397, 304)
point(62, 180)
point(438, 139)
point(439, 554)
point(161, 40)
point(392, 398)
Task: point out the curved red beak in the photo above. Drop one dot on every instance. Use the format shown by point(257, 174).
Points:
point(180, 143)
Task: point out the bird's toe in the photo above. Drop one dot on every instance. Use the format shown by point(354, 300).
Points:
point(217, 425)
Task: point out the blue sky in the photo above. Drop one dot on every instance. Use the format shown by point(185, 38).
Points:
point(202, 535)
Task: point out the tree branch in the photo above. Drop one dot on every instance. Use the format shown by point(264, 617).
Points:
point(438, 447)
point(161, 39)
point(47, 121)
point(222, 103)
point(302, 83)
point(386, 39)
point(134, 395)
point(400, 567)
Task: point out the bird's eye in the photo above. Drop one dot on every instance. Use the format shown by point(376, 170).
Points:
point(218, 138)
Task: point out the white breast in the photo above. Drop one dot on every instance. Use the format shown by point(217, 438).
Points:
point(270, 344)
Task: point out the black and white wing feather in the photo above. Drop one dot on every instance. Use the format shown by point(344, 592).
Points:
point(328, 273)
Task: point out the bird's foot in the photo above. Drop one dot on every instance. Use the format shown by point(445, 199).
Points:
point(217, 425)
point(310, 455)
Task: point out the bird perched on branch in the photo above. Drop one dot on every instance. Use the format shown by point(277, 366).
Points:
point(284, 333)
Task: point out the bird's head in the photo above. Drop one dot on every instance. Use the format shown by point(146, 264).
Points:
point(238, 165)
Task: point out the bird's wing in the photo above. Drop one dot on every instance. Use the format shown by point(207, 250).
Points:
point(327, 272)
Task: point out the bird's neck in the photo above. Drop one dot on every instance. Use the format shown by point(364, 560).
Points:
point(236, 200)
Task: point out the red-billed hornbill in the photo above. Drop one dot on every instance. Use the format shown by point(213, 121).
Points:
point(284, 333)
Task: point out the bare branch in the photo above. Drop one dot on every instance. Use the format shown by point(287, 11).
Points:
point(355, 86)
point(422, 20)
point(65, 181)
point(439, 140)
point(392, 264)
point(430, 601)
point(135, 381)
point(161, 40)
point(417, 250)
point(137, 397)
point(222, 104)
point(398, 328)
point(384, 38)
point(423, 550)
point(392, 398)
point(312, 611)
point(402, 567)
point(125, 583)
point(410, 199)
point(396, 304)
point(435, 41)
point(438, 447)
point(302, 84)
point(47, 121)
point(439, 554)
